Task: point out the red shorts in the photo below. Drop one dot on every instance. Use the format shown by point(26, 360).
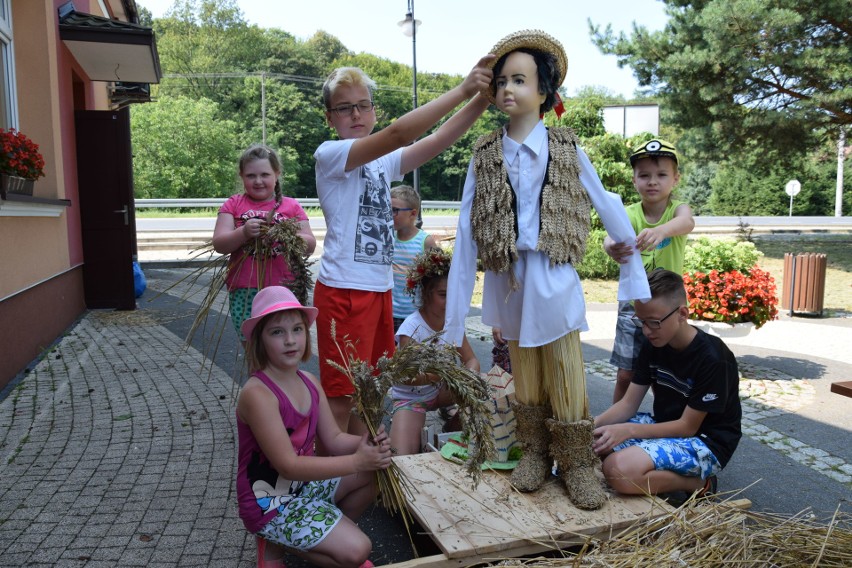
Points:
point(363, 318)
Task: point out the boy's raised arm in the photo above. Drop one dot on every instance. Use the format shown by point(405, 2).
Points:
point(408, 127)
point(424, 150)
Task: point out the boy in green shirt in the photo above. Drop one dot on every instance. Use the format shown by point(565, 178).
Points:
point(661, 224)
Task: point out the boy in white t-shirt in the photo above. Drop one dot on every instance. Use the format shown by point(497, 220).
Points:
point(353, 175)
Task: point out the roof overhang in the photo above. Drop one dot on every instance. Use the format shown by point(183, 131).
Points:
point(110, 50)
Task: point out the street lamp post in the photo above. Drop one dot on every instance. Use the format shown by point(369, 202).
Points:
point(409, 28)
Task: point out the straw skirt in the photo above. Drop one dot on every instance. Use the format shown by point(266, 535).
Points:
point(552, 374)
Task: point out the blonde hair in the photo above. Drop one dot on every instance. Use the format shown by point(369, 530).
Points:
point(347, 76)
point(408, 194)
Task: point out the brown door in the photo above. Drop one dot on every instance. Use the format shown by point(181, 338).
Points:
point(105, 179)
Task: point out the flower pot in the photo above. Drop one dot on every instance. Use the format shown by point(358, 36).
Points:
point(721, 329)
point(15, 184)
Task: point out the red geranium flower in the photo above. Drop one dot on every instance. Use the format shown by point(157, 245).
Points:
point(19, 156)
point(732, 297)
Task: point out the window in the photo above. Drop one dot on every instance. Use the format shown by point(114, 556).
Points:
point(8, 99)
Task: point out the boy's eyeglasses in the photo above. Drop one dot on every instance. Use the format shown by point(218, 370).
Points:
point(347, 110)
point(398, 209)
point(652, 324)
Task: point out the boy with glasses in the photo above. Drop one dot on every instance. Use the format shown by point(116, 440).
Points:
point(661, 224)
point(353, 175)
point(696, 424)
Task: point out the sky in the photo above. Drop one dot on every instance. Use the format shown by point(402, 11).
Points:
point(454, 34)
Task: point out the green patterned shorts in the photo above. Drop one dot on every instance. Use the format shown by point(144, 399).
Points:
point(240, 306)
point(306, 519)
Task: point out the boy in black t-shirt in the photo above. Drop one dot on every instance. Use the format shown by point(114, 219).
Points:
point(695, 427)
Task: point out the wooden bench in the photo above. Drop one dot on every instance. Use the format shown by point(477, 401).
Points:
point(495, 521)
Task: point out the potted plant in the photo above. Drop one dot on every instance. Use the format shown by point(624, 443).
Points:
point(20, 162)
point(728, 293)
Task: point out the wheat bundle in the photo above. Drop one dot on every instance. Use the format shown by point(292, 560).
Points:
point(369, 405)
point(440, 361)
point(283, 239)
point(431, 357)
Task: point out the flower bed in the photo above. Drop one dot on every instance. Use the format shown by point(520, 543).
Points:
point(738, 293)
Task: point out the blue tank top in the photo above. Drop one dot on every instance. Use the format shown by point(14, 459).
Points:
point(403, 256)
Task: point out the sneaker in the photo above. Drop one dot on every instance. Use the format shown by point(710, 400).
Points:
point(262, 561)
point(711, 485)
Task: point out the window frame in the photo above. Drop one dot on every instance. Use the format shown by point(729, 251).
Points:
point(9, 97)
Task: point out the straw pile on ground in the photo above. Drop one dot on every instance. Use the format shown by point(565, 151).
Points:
point(708, 533)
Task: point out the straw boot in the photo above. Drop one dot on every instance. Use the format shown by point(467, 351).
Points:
point(571, 447)
point(531, 432)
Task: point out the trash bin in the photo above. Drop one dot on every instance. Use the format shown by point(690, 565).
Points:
point(804, 283)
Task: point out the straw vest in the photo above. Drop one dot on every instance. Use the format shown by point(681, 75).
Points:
point(565, 207)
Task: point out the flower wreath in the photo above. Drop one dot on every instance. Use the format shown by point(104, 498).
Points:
point(428, 264)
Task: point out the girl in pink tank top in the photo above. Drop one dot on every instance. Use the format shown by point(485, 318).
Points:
point(290, 498)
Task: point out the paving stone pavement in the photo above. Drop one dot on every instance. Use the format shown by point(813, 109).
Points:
point(118, 448)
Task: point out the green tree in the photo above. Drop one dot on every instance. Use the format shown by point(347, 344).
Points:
point(204, 41)
point(182, 149)
point(754, 69)
point(695, 187)
point(295, 126)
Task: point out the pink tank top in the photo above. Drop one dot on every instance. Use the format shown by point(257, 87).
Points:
point(260, 489)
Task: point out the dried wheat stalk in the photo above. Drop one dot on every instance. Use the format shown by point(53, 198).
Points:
point(369, 402)
point(707, 533)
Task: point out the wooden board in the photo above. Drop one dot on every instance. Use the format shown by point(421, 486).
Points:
point(496, 521)
point(842, 387)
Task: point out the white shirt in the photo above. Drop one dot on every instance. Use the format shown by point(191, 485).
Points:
point(550, 302)
point(358, 245)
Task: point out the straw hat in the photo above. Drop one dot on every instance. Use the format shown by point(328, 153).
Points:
point(530, 39)
point(271, 300)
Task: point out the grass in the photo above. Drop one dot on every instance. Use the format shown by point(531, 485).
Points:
point(838, 274)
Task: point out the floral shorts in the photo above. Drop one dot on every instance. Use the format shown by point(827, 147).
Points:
point(417, 398)
point(689, 457)
point(306, 519)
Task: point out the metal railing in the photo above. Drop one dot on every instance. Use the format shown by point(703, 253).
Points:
point(216, 202)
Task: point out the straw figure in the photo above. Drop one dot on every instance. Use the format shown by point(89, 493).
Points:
point(526, 214)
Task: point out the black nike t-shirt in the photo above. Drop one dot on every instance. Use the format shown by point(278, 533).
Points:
point(703, 376)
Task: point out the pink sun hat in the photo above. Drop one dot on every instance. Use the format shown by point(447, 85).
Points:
point(275, 299)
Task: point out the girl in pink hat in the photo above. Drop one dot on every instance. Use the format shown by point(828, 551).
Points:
point(289, 497)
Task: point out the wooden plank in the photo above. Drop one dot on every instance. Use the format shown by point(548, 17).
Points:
point(495, 518)
point(842, 387)
point(442, 561)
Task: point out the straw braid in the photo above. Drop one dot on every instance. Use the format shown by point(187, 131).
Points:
point(491, 216)
point(565, 205)
point(565, 208)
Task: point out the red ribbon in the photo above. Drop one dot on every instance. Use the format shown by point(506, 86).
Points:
point(559, 108)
